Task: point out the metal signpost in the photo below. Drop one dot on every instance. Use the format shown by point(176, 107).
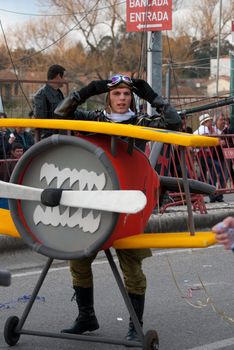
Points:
point(152, 16)
point(232, 79)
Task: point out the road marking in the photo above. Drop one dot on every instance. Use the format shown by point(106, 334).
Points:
point(211, 346)
point(215, 346)
point(38, 272)
point(53, 269)
point(102, 260)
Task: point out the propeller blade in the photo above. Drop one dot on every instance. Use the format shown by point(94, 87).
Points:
point(119, 201)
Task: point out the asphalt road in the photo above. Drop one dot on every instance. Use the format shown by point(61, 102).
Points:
point(189, 300)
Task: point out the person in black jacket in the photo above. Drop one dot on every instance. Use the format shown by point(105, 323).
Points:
point(120, 108)
point(47, 98)
point(23, 137)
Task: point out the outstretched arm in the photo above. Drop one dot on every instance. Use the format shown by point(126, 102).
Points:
point(170, 119)
point(68, 106)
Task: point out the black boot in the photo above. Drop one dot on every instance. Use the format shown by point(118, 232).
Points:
point(138, 303)
point(86, 320)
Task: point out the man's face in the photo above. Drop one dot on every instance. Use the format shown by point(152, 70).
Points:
point(120, 100)
point(20, 130)
point(58, 81)
point(17, 153)
point(221, 122)
point(209, 123)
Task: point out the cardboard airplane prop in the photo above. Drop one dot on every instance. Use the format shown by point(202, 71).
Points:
point(70, 197)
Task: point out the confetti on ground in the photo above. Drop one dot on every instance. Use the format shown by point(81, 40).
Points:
point(23, 299)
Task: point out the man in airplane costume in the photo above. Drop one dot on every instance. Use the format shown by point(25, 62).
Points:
point(120, 108)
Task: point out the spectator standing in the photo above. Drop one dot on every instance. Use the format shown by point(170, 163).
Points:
point(220, 122)
point(205, 125)
point(229, 143)
point(6, 140)
point(15, 153)
point(49, 96)
point(204, 155)
point(218, 158)
point(23, 137)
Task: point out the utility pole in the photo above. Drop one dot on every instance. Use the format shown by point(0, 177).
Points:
point(232, 89)
point(154, 78)
point(168, 81)
point(149, 65)
point(157, 62)
point(154, 61)
point(152, 17)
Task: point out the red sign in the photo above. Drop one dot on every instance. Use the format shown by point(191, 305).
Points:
point(148, 15)
point(228, 153)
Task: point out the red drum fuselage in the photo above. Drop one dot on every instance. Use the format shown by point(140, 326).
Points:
point(134, 172)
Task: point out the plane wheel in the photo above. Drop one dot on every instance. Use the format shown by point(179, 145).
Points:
point(10, 336)
point(151, 341)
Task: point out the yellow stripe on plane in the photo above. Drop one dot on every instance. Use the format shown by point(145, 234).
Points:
point(166, 240)
point(7, 226)
point(144, 240)
point(145, 133)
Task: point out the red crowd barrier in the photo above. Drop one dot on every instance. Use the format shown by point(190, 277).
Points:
point(213, 165)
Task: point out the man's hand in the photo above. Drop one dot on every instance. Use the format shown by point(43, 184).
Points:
point(96, 87)
point(144, 90)
point(68, 106)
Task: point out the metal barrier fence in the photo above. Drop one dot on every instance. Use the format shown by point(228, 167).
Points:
point(213, 165)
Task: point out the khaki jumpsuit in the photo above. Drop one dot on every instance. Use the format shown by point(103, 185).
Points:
point(130, 261)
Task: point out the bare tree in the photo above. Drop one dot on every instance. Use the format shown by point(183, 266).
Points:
point(201, 21)
point(89, 37)
point(96, 23)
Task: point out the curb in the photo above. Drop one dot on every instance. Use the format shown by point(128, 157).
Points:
point(177, 223)
point(8, 244)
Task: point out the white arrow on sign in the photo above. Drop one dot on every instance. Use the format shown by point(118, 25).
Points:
point(141, 26)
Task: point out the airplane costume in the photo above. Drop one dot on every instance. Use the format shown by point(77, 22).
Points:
point(130, 260)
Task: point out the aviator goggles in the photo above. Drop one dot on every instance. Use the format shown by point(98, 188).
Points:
point(118, 79)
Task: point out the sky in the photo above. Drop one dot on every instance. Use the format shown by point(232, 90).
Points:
point(19, 6)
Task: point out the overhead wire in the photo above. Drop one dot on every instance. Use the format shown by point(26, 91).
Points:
point(175, 65)
point(68, 31)
point(52, 15)
point(13, 63)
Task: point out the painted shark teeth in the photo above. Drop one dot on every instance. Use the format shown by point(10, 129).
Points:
point(54, 216)
point(49, 172)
